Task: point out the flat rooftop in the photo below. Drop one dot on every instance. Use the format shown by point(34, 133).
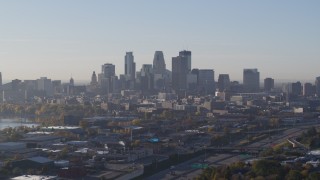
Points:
point(34, 177)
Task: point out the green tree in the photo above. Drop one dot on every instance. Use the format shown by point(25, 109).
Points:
point(314, 176)
point(17, 171)
point(311, 132)
point(294, 175)
point(274, 122)
point(226, 130)
point(136, 122)
point(267, 167)
point(208, 173)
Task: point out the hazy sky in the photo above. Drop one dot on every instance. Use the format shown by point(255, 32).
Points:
point(58, 38)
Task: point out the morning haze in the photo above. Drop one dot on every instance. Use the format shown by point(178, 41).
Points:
point(60, 38)
point(159, 90)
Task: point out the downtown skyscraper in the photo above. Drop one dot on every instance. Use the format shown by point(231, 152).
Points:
point(159, 65)
point(130, 66)
point(317, 83)
point(268, 84)
point(223, 82)
point(180, 69)
point(251, 80)
point(187, 55)
point(206, 81)
point(0, 81)
point(107, 78)
point(108, 70)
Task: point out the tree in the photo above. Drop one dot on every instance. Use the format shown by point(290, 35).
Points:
point(136, 143)
point(83, 124)
point(210, 129)
point(16, 171)
point(314, 176)
point(136, 122)
point(267, 152)
point(226, 130)
point(311, 132)
point(274, 122)
point(166, 114)
point(266, 167)
point(294, 175)
point(237, 165)
point(208, 173)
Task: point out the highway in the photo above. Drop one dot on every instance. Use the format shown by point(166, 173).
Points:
point(185, 170)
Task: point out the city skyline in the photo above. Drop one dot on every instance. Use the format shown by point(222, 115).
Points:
point(63, 39)
point(87, 79)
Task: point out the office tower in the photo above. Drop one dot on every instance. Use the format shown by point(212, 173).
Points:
point(251, 80)
point(71, 82)
point(94, 79)
point(0, 81)
point(109, 85)
point(16, 84)
point(206, 81)
point(30, 85)
point(192, 83)
point(195, 72)
point(146, 69)
point(296, 88)
point(45, 85)
point(180, 70)
point(146, 78)
point(159, 65)
point(57, 87)
point(317, 83)
point(187, 55)
point(308, 90)
point(130, 66)
point(268, 84)
point(108, 70)
point(292, 90)
point(223, 82)
point(107, 78)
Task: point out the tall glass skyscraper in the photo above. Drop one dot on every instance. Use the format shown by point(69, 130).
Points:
point(206, 81)
point(187, 55)
point(179, 73)
point(251, 80)
point(130, 66)
point(268, 84)
point(317, 83)
point(0, 81)
point(223, 82)
point(159, 65)
point(108, 70)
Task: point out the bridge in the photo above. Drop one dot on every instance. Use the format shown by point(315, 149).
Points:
point(296, 144)
point(236, 150)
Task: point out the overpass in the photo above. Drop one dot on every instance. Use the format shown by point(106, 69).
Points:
point(235, 150)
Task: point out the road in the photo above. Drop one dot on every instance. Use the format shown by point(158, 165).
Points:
point(185, 170)
point(163, 174)
point(191, 174)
